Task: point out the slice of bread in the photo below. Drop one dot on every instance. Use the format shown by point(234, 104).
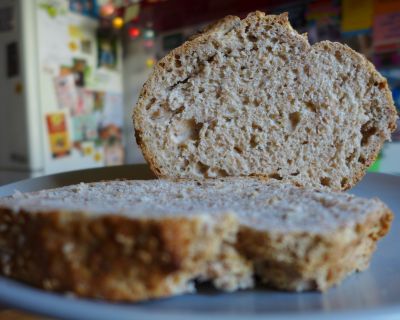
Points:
point(134, 240)
point(252, 97)
point(108, 241)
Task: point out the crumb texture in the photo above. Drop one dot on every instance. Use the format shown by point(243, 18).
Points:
point(264, 205)
point(253, 97)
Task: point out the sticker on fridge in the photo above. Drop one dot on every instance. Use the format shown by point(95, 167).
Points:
point(60, 144)
point(66, 93)
point(84, 127)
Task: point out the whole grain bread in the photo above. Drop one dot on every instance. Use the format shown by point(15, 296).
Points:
point(252, 97)
point(136, 240)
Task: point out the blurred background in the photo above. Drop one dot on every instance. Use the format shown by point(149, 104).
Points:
point(71, 70)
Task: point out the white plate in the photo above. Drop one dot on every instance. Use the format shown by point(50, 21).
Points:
point(373, 294)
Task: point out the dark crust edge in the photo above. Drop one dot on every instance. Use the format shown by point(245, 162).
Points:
point(254, 244)
point(108, 257)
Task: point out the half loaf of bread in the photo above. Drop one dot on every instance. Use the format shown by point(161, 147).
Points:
point(135, 240)
point(253, 97)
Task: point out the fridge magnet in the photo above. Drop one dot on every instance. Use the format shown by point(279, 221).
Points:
point(75, 31)
point(85, 104)
point(54, 8)
point(65, 70)
point(87, 148)
point(110, 133)
point(98, 156)
point(114, 154)
point(79, 68)
point(98, 100)
point(113, 112)
point(86, 46)
point(107, 52)
point(84, 128)
point(60, 144)
point(87, 101)
point(72, 46)
point(84, 7)
point(66, 92)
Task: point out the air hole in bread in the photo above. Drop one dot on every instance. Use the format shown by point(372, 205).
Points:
point(361, 159)
point(201, 168)
point(238, 149)
point(257, 102)
point(161, 113)
point(275, 176)
point(351, 157)
point(344, 182)
point(254, 141)
point(367, 131)
point(215, 172)
point(179, 110)
point(212, 124)
point(344, 77)
point(295, 173)
point(256, 126)
point(306, 69)
point(311, 106)
point(210, 59)
point(185, 130)
point(216, 44)
point(294, 118)
point(149, 105)
point(201, 89)
point(338, 56)
point(283, 57)
point(178, 63)
point(325, 181)
point(156, 115)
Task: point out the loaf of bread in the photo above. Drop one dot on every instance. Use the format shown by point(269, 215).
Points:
point(136, 240)
point(252, 97)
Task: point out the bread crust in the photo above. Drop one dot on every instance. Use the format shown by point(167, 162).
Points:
point(109, 257)
point(222, 27)
point(306, 261)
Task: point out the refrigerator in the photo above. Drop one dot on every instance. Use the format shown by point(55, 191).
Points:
point(61, 90)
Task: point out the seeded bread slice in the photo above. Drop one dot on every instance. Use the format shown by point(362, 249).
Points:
point(104, 241)
point(135, 240)
point(253, 97)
